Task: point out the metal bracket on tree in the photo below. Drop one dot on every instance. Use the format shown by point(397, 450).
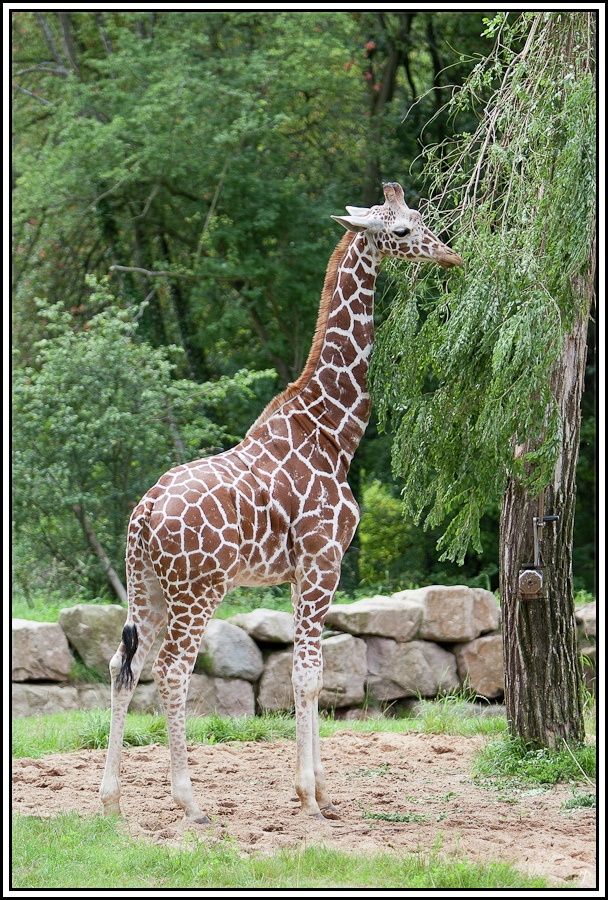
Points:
point(531, 580)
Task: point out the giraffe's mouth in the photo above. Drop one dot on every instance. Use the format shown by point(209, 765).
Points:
point(447, 259)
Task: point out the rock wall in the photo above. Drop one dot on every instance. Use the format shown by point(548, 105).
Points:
point(376, 651)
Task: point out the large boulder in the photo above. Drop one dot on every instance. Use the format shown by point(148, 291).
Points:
point(42, 699)
point(146, 699)
point(480, 665)
point(585, 617)
point(415, 668)
point(454, 613)
point(228, 652)
point(95, 632)
point(344, 671)
point(231, 697)
point(40, 652)
point(48, 699)
point(275, 691)
point(397, 618)
point(270, 626)
point(486, 609)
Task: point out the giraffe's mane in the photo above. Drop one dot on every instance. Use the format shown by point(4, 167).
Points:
point(329, 285)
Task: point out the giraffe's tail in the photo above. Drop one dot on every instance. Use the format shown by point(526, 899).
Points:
point(129, 641)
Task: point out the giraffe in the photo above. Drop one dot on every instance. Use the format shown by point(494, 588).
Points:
point(276, 508)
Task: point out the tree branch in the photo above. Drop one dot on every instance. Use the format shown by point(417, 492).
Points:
point(155, 191)
point(104, 38)
point(44, 67)
point(17, 87)
point(209, 215)
point(149, 272)
point(50, 39)
point(68, 40)
point(96, 547)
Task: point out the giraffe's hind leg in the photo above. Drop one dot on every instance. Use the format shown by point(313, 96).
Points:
point(147, 614)
point(172, 670)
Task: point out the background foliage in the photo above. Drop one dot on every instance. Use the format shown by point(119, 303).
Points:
point(201, 154)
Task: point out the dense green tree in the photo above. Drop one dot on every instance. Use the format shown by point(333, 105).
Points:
point(483, 370)
point(203, 152)
point(213, 147)
point(97, 420)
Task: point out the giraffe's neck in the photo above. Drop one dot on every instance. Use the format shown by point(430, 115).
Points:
point(331, 393)
point(336, 393)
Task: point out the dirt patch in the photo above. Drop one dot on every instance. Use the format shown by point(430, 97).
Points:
point(247, 790)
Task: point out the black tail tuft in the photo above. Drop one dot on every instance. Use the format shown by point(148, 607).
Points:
point(130, 641)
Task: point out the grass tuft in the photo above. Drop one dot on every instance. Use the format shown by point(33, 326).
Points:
point(395, 816)
point(218, 729)
point(581, 801)
point(513, 758)
point(454, 714)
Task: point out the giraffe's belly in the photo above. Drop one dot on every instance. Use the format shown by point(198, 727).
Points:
point(259, 577)
point(265, 556)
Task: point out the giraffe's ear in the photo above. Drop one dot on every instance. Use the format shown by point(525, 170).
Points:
point(357, 223)
point(357, 210)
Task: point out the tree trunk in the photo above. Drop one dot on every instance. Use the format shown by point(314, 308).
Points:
point(93, 540)
point(543, 678)
point(381, 93)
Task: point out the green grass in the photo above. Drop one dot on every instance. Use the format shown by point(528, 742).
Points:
point(511, 758)
point(395, 816)
point(581, 801)
point(218, 729)
point(46, 607)
point(35, 736)
point(451, 715)
point(583, 597)
point(69, 851)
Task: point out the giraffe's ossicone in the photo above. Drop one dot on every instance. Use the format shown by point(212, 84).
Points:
point(276, 508)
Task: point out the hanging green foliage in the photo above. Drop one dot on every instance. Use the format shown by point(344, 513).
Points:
point(461, 368)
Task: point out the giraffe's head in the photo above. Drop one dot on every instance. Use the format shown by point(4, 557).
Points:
point(396, 230)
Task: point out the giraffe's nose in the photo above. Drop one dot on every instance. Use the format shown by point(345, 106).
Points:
point(446, 258)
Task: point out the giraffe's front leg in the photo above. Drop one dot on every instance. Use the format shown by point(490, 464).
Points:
point(307, 682)
point(311, 600)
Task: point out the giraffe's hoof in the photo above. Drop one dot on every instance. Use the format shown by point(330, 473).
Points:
point(202, 820)
point(330, 812)
point(111, 809)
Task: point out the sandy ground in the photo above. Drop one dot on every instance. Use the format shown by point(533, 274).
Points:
point(247, 791)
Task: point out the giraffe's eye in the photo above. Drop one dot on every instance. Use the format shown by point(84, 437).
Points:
point(401, 232)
